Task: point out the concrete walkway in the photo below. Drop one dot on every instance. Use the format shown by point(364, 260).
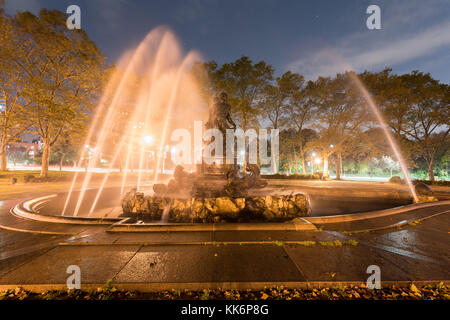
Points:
point(416, 251)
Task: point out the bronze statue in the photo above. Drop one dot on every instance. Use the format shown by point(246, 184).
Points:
point(220, 114)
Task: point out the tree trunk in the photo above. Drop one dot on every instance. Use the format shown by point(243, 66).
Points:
point(61, 161)
point(295, 161)
point(302, 157)
point(274, 164)
point(325, 166)
point(430, 170)
point(3, 158)
point(272, 153)
point(45, 159)
point(338, 166)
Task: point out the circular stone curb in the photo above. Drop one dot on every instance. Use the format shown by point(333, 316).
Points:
point(374, 214)
point(37, 231)
point(26, 210)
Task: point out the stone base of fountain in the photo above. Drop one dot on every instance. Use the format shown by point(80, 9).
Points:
point(214, 197)
point(218, 209)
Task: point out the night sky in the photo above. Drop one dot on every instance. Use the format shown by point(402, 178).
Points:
point(310, 37)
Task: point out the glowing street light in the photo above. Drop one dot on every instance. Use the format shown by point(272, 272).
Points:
point(317, 160)
point(148, 139)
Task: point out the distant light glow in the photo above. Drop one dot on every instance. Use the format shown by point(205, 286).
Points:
point(318, 160)
point(148, 139)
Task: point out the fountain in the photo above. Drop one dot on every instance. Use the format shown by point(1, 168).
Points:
point(151, 93)
point(217, 192)
point(142, 100)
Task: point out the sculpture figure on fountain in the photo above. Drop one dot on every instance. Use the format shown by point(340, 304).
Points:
point(220, 118)
point(220, 114)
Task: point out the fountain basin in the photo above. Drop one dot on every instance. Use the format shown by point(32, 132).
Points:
point(268, 208)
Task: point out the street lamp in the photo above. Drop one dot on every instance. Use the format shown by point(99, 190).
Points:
point(148, 139)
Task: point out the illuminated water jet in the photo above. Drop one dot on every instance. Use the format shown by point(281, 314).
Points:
point(150, 92)
point(386, 131)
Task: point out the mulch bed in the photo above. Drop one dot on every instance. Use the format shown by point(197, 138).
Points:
point(435, 292)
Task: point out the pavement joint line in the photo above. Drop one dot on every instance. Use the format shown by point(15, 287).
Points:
point(198, 286)
point(297, 266)
point(126, 263)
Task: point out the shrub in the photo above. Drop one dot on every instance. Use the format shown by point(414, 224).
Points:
point(28, 178)
point(396, 179)
point(318, 175)
point(46, 179)
point(294, 176)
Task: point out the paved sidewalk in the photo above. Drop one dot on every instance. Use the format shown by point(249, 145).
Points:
point(226, 259)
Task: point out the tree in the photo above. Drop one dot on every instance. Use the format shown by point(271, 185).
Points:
point(394, 99)
point(244, 82)
point(299, 112)
point(339, 115)
point(416, 107)
point(64, 72)
point(276, 98)
point(66, 148)
point(428, 120)
point(14, 119)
